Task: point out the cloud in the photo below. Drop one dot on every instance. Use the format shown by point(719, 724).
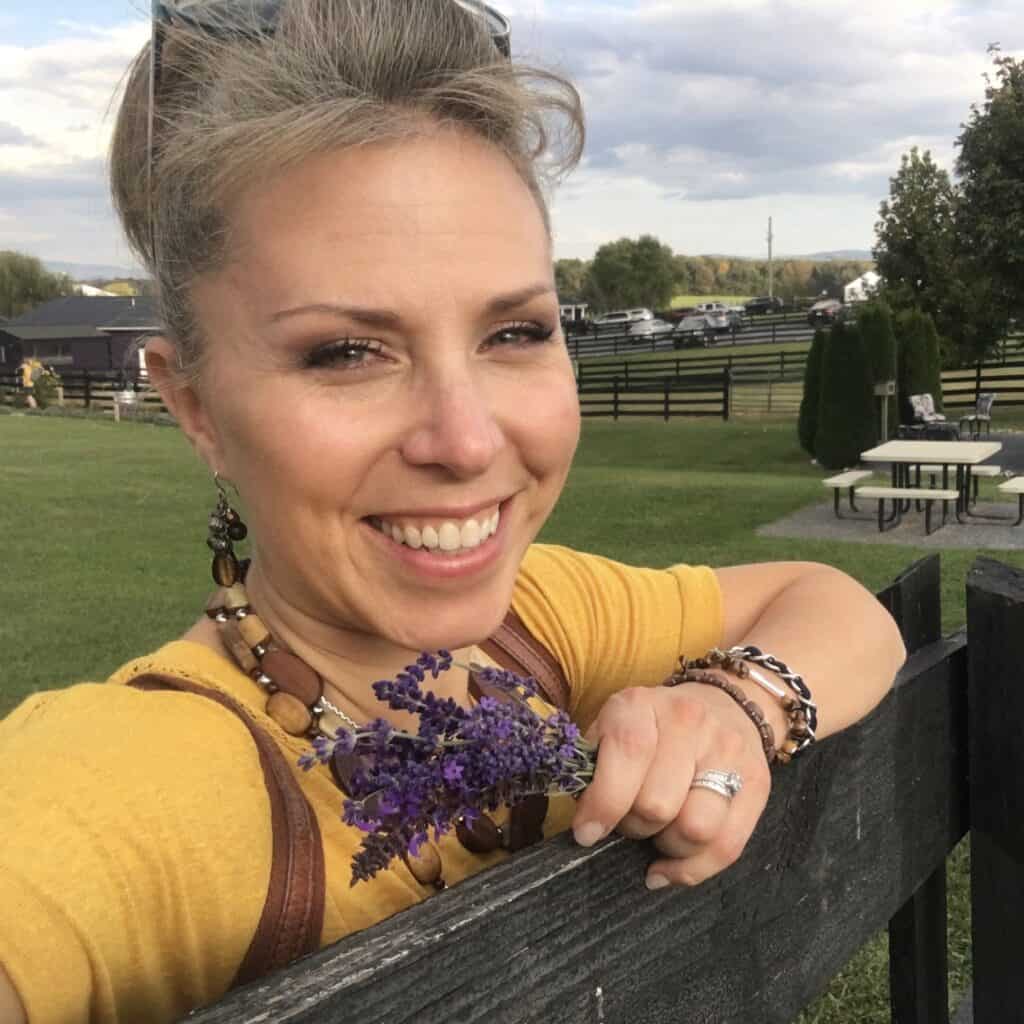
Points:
point(12, 135)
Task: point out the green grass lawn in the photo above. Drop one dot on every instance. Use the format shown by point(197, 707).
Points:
point(104, 533)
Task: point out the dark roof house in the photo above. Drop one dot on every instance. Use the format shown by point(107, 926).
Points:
point(80, 332)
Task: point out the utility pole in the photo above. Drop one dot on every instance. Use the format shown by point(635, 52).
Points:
point(771, 267)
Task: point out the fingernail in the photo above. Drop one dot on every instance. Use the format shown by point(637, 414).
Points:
point(656, 882)
point(588, 834)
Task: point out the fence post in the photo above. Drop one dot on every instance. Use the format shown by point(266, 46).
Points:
point(773, 332)
point(977, 382)
point(995, 700)
point(726, 392)
point(668, 387)
point(625, 367)
point(88, 390)
point(615, 398)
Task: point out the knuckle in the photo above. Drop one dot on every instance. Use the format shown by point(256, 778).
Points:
point(699, 828)
point(687, 713)
point(655, 808)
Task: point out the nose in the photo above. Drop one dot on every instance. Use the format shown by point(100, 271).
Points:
point(456, 428)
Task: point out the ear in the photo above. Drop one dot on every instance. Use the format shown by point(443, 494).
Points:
point(183, 398)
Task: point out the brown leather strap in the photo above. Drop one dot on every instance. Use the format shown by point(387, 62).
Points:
point(292, 917)
point(514, 647)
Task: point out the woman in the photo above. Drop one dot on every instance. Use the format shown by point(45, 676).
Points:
point(340, 202)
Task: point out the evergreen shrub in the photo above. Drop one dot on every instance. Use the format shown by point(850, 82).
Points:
point(807, 421)
point(846, 413)
point(919, 360)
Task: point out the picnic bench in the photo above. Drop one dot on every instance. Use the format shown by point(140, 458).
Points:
point(846, 481)
point(902, 496)
point(855, 836)
point(1015, 486)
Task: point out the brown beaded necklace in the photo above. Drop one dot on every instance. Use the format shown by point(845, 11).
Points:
point(297, 704)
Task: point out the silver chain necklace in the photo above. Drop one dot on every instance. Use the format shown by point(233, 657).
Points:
point(341, 714)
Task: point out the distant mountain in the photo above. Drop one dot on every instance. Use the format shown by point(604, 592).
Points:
point(91, 271)
point(839, 254)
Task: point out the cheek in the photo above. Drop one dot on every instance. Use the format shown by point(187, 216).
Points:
point(547, 426)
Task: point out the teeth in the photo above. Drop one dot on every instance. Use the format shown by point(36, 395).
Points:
point(448, 537)
point(471, 534)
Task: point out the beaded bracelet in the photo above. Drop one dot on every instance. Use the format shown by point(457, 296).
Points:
point(753, 710)
point(801, 710)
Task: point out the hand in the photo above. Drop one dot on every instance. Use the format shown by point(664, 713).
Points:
point(653, 741)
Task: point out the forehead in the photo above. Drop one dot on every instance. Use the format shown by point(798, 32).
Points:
point(421, 218)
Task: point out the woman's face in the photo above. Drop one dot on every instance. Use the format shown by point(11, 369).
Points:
point(388, 386)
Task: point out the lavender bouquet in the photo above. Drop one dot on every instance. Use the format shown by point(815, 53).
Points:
point(459, 763)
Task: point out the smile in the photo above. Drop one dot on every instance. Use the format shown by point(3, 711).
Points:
point(447, 537)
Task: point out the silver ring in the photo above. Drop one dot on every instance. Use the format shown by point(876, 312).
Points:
point(726, 784)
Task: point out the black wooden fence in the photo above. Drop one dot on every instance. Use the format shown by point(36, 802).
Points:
point(855, 837)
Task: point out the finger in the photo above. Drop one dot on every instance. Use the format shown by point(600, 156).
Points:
point(704, 811)
point(722, 851)
point(701, 818)
point(627, 735)
point(682, 733)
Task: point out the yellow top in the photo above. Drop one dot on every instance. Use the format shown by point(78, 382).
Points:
point(136, 845)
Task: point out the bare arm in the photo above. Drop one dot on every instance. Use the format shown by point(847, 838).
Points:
point(822, 624)
point(654, 740)
point(11, 1010)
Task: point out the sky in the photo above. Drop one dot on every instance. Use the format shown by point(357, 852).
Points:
point(704, 118)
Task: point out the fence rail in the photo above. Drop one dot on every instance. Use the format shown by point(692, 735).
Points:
point(855, 836)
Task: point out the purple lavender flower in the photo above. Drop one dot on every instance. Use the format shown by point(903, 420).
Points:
point(459, 763)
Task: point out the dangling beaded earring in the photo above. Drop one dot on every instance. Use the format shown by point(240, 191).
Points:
point(226, 526)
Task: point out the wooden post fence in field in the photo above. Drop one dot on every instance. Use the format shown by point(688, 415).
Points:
point(855, 837)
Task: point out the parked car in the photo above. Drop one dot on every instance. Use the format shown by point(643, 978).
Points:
point(617, 320)
point(711, 307)
point(641, 314)
point(692, 331)
point(649, 328)
point(824, 312)
point(735, 318)
point(718, 322)
point(764, 304)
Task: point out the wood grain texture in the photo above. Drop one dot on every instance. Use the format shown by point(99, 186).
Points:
point(565, 934)
point(995, 618)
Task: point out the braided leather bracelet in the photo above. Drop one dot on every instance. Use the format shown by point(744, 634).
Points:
point(750, 708)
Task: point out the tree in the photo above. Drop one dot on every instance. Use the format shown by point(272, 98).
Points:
point(916, 234)
point(807, 421)
point(991, 170)
point(571, 278)
point(632, 272)
point(846, 415)
point(24, 283)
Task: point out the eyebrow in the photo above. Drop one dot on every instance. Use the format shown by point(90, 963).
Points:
point(389, 318)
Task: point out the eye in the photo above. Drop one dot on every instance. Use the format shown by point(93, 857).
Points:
point(347, 354)
point(523, 334)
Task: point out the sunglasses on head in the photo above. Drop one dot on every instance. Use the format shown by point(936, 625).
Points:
point(258, 17)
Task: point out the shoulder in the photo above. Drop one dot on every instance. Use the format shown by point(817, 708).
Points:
point(137, 843)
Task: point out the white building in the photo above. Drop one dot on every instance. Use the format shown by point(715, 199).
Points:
point(863, 288)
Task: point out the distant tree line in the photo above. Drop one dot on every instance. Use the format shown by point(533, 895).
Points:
point(954, 249)
point(25, 283)
point(646, 272)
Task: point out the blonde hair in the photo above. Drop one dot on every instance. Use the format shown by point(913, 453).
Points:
point(236, 104)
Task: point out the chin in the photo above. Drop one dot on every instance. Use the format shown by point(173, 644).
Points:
point(453, 632)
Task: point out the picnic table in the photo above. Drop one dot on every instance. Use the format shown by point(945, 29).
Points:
point(903, 456)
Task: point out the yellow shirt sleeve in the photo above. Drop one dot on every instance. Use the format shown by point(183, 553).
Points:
point(613, 626)
point(98, 874)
